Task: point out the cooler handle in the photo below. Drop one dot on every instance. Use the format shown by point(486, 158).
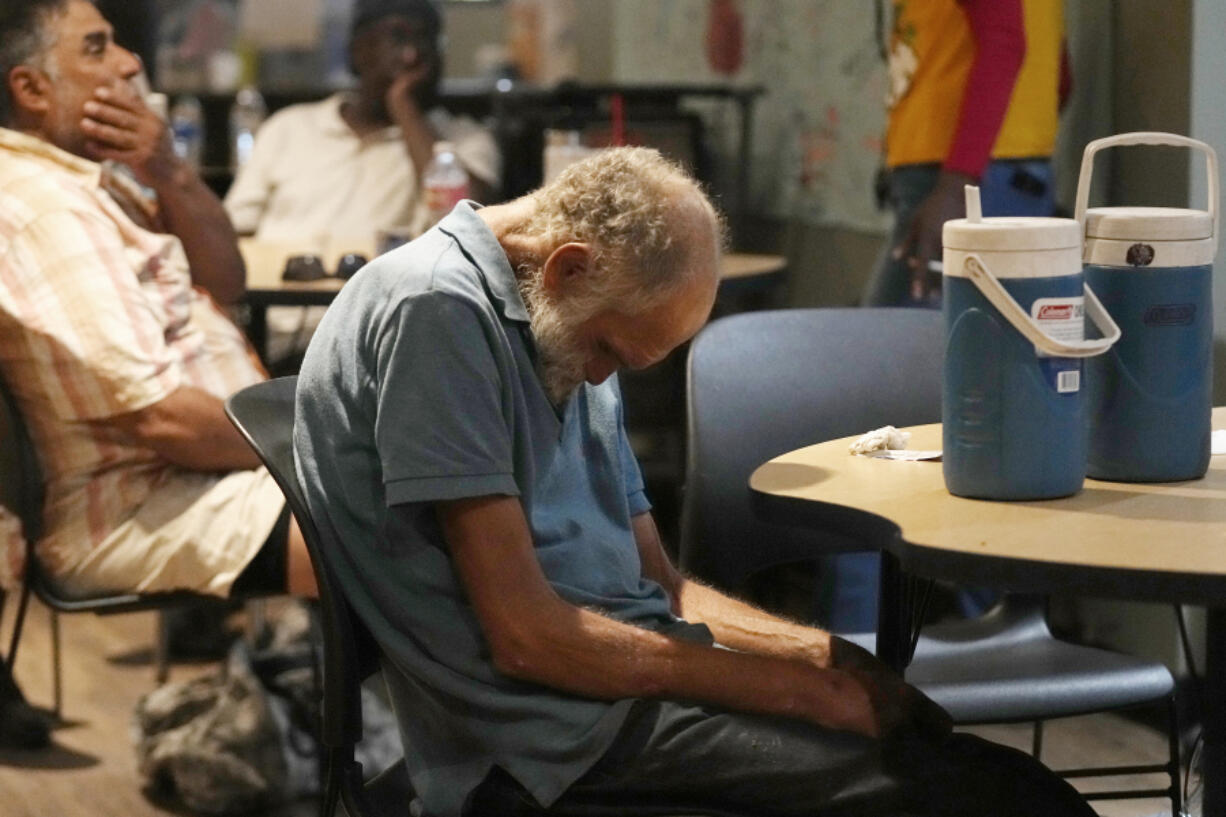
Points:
point(1146, 138)
point(999, 297)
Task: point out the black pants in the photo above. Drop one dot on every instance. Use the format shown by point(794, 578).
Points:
point(670, 757)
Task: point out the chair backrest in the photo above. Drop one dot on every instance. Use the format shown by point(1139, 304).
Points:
point(763, 383)
point(264, 415)
point(21, 477)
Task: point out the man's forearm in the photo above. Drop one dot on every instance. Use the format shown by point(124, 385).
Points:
point(419, 138)
point(193, 213)
point(417, 134)
point(189, 429)
point(588, 654)
point(734, 623)
point(744, 627)
point(535, 635)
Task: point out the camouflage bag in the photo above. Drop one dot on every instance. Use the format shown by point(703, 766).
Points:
point(213, 742)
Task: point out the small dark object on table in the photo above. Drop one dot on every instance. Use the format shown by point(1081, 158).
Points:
point(350, 263)
point(305, 267)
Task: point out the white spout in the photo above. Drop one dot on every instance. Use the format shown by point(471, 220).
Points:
point(974, 211)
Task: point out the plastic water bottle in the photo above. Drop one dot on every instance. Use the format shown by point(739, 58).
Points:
point(187, 129)
point(445, 181)
point(246, 115)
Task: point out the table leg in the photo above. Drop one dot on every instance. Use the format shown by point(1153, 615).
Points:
point(893, 615)
point(257, 329)
point(1213, 715)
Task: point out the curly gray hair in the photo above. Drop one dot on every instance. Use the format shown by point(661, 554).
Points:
point(637, 210)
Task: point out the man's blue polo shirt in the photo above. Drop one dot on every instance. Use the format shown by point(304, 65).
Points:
point(420, 386)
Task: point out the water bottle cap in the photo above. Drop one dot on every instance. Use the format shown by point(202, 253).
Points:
point(1011, 234)
point(1148, 224)
point(443, 146)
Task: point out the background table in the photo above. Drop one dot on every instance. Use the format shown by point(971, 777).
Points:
point(1162, 542)
point(265, 262)
point(743, 276)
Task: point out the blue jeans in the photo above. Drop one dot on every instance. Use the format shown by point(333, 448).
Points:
point(1009, 187)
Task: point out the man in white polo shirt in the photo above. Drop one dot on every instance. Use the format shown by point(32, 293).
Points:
point(340, 170)
point(352, 163)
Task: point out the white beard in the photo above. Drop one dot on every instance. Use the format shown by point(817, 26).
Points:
point(562, 360)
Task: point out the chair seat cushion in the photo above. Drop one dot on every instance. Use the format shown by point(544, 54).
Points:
point(1024, 673)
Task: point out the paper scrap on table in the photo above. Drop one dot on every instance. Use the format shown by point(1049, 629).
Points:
point(1217, 442)
point(889, 443)
point(904, 455)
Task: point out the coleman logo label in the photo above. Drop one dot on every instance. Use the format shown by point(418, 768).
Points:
point(1170, 315)
point(1057, 312)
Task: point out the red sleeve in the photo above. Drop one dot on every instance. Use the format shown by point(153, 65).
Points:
point(998, 30)
point(1066, 75)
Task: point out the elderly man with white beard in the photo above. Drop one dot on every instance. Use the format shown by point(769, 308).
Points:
point(459, 435)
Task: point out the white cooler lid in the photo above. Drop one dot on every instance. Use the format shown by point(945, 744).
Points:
point(1011, 234)
point(1148, 224)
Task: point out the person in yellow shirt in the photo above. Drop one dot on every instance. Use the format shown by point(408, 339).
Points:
point(975, 90)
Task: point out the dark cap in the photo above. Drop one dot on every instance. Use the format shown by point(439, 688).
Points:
point(367, 11)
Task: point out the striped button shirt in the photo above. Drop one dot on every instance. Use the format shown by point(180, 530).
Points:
point(98, 317)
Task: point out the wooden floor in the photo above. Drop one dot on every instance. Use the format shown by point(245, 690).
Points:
point(91, 769)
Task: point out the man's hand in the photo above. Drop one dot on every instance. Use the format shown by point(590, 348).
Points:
point(400, 99)
point(922, 242)
point(839, 700)
point(121, 127)
point(900, 708)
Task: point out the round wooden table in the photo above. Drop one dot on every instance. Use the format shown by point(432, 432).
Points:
point(1162, 542)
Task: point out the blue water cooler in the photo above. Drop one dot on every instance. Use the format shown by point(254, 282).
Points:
point(1150, 397)
point(1013, 405)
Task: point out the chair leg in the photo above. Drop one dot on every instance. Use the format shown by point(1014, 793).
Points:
point(161, 648)
point(331, 794)
point(1036, 740)
point(1174, 766)
point(18, 623)
point(1171, 768)
point(57, 679)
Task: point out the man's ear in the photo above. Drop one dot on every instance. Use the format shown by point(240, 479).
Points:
point(29, 88)
point(567, 267)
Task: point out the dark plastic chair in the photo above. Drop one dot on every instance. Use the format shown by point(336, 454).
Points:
point(22, 491)
point(264, 415)
point(761, 384)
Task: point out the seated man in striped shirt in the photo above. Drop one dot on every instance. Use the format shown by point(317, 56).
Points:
point(113, 331)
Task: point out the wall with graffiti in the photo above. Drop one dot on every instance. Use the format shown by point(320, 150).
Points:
point(819, 124)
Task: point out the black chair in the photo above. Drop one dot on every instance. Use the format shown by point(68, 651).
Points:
point(264, 413)
point(23, 491)
point(763, 383)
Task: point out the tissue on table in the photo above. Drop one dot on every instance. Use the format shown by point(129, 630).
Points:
point(881, 439)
